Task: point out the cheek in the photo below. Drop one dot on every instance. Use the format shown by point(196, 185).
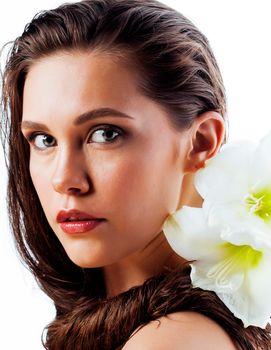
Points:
point(143, 188)
point(40, 181)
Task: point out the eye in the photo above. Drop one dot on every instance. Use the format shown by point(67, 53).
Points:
point(42, 141)
point(107, 132)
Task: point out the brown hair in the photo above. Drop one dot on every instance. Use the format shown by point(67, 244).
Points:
point(177, 69)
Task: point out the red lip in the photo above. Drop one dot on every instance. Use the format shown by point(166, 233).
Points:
point(65, 215)
point(80, 226)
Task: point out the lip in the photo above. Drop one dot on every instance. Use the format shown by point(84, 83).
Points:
point(80, 226)
point(64, 215)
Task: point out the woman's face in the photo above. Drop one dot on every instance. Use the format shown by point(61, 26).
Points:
point(126, 170)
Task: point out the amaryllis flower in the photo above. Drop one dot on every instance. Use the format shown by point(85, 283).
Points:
point(228, 240)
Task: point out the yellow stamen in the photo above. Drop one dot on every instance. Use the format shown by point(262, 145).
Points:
point(259, 203)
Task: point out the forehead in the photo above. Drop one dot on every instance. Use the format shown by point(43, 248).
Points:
point(69, 80)
point(63, 86)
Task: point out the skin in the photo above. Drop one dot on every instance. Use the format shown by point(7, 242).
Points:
point(133, 182)
point(177, 331)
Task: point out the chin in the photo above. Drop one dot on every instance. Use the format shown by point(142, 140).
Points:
point(88, 262)
point(91, 257)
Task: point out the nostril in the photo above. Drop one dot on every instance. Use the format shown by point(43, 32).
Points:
point(71, 182)
point(74, 190)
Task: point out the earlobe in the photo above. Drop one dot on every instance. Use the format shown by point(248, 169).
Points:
point(206, 136)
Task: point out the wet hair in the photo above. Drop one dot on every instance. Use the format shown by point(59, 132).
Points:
point(177, 69)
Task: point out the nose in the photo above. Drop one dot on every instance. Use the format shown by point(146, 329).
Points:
point(70, 176)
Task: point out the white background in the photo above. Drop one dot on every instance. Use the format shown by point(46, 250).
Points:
point(239, 33)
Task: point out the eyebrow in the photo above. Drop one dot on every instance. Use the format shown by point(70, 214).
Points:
point(81, 119)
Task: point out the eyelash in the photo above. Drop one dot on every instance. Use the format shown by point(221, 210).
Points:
point(106, 127)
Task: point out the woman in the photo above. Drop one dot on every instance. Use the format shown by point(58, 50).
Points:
point(111, 106)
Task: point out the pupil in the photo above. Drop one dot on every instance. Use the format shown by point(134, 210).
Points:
point(109, 132)
point(48, 140)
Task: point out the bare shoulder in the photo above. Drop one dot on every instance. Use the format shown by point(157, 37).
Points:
point(180, 331)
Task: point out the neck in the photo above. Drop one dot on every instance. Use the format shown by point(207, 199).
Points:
point(132, 271)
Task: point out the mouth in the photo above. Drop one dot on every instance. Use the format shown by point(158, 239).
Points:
point(75, 215)
point(80, 226)
point(76, 221)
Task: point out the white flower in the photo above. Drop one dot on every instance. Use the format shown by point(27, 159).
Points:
point(228, 240)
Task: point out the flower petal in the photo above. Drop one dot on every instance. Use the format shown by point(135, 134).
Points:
point(251, 302)
point(188, 234)
point(247, 234)
point(232, 162)
point(261, 163)
point(246, 292)
point(199, 277)
point(237, 225)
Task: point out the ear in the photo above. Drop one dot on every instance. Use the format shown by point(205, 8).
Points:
point(206, 136)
